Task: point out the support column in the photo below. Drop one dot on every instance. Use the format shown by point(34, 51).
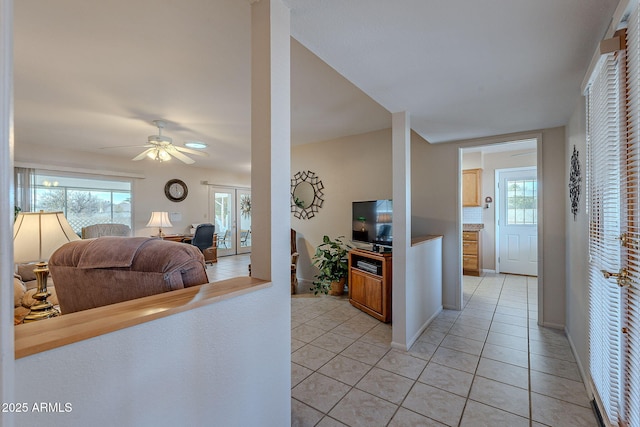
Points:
point(401, 154)
point(270, 142)
point(7, 357)
point(270, 182)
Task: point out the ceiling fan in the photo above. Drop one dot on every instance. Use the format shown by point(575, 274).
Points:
point(161, 148)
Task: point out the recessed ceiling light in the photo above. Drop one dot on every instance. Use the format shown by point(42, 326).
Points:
point(196, 144)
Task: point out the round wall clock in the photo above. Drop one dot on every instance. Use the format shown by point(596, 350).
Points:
point(176, 190)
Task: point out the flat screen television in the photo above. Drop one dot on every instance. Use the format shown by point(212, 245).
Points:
point(372, 222)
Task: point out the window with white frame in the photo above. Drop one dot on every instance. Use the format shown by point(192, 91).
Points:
point(85, 199)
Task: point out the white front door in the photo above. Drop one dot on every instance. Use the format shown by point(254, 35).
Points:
point(517, 221)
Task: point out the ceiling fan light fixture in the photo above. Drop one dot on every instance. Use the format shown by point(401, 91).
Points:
point(155, 139)
point(196, 144)
point(159, 154)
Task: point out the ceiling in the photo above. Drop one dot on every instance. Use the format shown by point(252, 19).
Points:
point(90, 75)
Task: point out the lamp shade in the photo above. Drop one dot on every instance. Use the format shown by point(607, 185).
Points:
point(36, 235)
point(160, 220)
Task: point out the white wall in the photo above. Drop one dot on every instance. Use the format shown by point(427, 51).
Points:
point(351, 169)
point(148, 192)
point(577, 245)
point(424, 295)
point(7, 370)
point(202, 367)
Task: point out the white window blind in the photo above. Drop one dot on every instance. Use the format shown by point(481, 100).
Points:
point(613, 180)
point(603, 180)
point(631, 294)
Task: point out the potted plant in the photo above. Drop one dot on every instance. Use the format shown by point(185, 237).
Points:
point(331, 260)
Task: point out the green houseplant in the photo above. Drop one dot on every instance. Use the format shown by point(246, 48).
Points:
point(331, 260)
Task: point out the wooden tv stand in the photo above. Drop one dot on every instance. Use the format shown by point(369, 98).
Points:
point(370, 291)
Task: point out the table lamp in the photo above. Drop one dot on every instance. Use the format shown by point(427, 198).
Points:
point(159, 219)
point(37, 235)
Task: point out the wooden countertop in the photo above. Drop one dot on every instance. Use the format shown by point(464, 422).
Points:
point(472, 227)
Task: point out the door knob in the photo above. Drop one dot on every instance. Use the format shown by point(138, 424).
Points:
point(627, 241)
point(622, 277)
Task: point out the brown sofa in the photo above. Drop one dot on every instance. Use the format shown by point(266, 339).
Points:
point(108, 270)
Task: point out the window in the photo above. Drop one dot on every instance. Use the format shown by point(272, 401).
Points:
point(84, 199)
point(522, 202)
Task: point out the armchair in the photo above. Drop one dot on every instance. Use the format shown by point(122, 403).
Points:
point(98, 230)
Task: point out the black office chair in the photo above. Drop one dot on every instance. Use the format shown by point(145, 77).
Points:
point(203, 237)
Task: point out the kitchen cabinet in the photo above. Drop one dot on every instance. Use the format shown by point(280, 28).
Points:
point(471, 253)
point(471, 187)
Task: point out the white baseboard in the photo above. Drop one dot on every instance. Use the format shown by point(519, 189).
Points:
point(552, 325)
point(586, 378)
point(413, 339)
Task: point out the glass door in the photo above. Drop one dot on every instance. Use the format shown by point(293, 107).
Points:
point(243, 237)
point(230, 209)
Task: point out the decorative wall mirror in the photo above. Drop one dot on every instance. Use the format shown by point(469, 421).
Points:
point(306, 194)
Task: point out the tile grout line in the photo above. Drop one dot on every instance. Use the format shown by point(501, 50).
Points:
point(475, 373)
point(529, 357)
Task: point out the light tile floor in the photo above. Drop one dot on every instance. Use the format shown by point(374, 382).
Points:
point(487, 365)
point(228, 267)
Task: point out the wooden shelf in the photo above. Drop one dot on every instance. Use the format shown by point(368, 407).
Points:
point(369, 291)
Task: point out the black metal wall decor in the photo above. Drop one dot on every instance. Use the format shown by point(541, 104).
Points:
point(575, 179)
point(306, 194)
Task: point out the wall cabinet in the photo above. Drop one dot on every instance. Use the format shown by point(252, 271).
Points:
point(370, 283)
point(471, 253)
point(471, 187)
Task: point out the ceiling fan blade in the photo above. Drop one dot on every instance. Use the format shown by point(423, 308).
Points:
point(143, 154)
point(178, 155)
point(127, 146)
point(190, 151)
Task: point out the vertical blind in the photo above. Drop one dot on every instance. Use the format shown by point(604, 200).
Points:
point(613, 145)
